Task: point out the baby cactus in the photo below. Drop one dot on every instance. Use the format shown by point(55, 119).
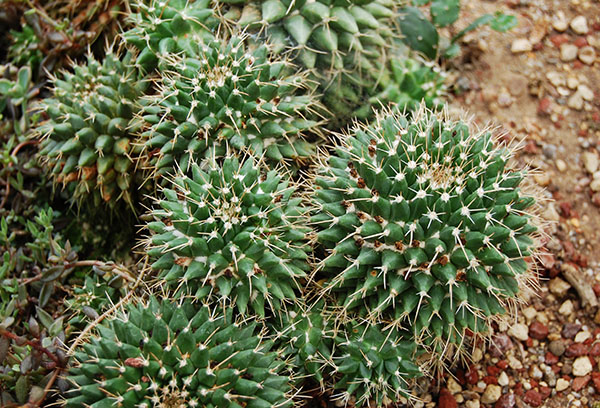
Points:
point(177, 354)
point(425, 226)
point(227, 97)
point(88, 139)
point(234, 231)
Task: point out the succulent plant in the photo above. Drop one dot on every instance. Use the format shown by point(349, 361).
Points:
point(235, 231)
point(160, 28)
point(177, 354)
point(425, 225)
point(227, 97)
point(88, 140)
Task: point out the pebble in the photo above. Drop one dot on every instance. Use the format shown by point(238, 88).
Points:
point(533, 398)
point(505, 100)
point(582, 336)
point(590, 161)
point(472, 404)
point(519, 331)
point(561, 165)
point(514, 363)
point(559, 22)
point(453, 386)
point(501, 343)
point(566, 308)
point(587, 55)
point(595, 185)
point(557, 347)
point(503, 379)
point(556, 78)
point(477, 355)
point(585, 92)
point(521, 45)
point(558, 287)
point(569, 330)
point(506, 401)
point(579, 25)
point(529, 313)
point(561, 384)
point(580, 382)
point(446, 399)
point(538, 331)
point(491, 394)
point(582, 366)
point(568, 52)
point(542, 179)
point(575, 101)
point(572, 82)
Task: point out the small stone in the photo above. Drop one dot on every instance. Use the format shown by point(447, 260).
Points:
point(590, 161)
point(446, 400)
point(579, 25)
point(533, 398)
point(586, 93)
point(519, 331)
point(569, 330)
point(587, 55)
point(580, 382)
point(556, 78)
point(477, 355)
point(582, 336)
point(491, 394)
point(472, 404)
point(572, 82)
point(557, 347)
point(535, 372)
point(501, 343)
point(505, 100)
point(568, 52)
point(538, 331)
point(521, 45)
point(503, 380)
point(558, 287)
point(577, 350)
point(514, 363)
point(559, 22)
point(582, 366)
point(561, 384)
point(551, 214)
point(575, 101)
point(530, 312)
point(595, 185)
point(453, 386)
point(506, 401)
point(566, 308)
point(561, 165)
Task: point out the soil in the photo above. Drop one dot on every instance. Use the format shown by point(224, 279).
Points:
point(551, 104)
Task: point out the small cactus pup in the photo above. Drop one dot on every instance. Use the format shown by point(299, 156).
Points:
point(159, 27)
point(233, 230)
point(87, 142)
point(176, 353)
point(371, 364)
point(228, 97)
point(426, 225)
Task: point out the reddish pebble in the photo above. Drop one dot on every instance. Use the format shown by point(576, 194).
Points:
point(529, 342)
point(556, 368)
point(533, 398)
point(545, 106)
point(596, 286)
point(577, 64)
point(472, 376)
point(493, 370)
point(566, 209)
point(518, 389)
point(559, 39)
point(577, 350)
point(569, 330)
point(446, 400)
point(545, 392)
point(580, 382)
point(506, 401)
point(596, 381)
point(550, 358)
point(502, 364)
point(595, 350)
point(538, 330)
point(490, 379)
point(538, 46)
point(580, 42)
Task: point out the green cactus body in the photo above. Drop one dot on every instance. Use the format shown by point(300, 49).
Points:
point(88, 140)
point(160, 28)
point(233, 231)
point(425, 226)
point(228, 97)
point(372, 364)
point(177, 354)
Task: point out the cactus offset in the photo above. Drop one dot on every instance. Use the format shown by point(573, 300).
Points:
point(235, 231)
point(177, 354)
point(88, 140)
point(425, 225)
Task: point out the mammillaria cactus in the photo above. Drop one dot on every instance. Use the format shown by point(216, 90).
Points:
point(235, 231)
point(228, 97)
point(88, 140)
point(424, 225)
point(177, 354)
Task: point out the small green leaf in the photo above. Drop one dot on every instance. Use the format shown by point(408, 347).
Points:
point(503, 22)
point(445, 12)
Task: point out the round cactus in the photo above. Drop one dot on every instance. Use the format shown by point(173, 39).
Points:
point(235, 231)
point(424, 225)
point(177, 354)
point(88, 140)
point(160, 28)
point(227, 97)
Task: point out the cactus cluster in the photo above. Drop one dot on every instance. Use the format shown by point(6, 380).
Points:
point(177, 354)
point(424, 225)
point(227, 97)
point(88, 142)
point(235, 231)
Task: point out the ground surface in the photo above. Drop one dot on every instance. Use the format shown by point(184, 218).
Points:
point(541, 82)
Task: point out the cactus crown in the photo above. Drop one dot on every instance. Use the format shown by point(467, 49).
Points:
point(228, 97)
point(87, 142)
point(177, 354)
point(234, 231)
point(425, 225)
